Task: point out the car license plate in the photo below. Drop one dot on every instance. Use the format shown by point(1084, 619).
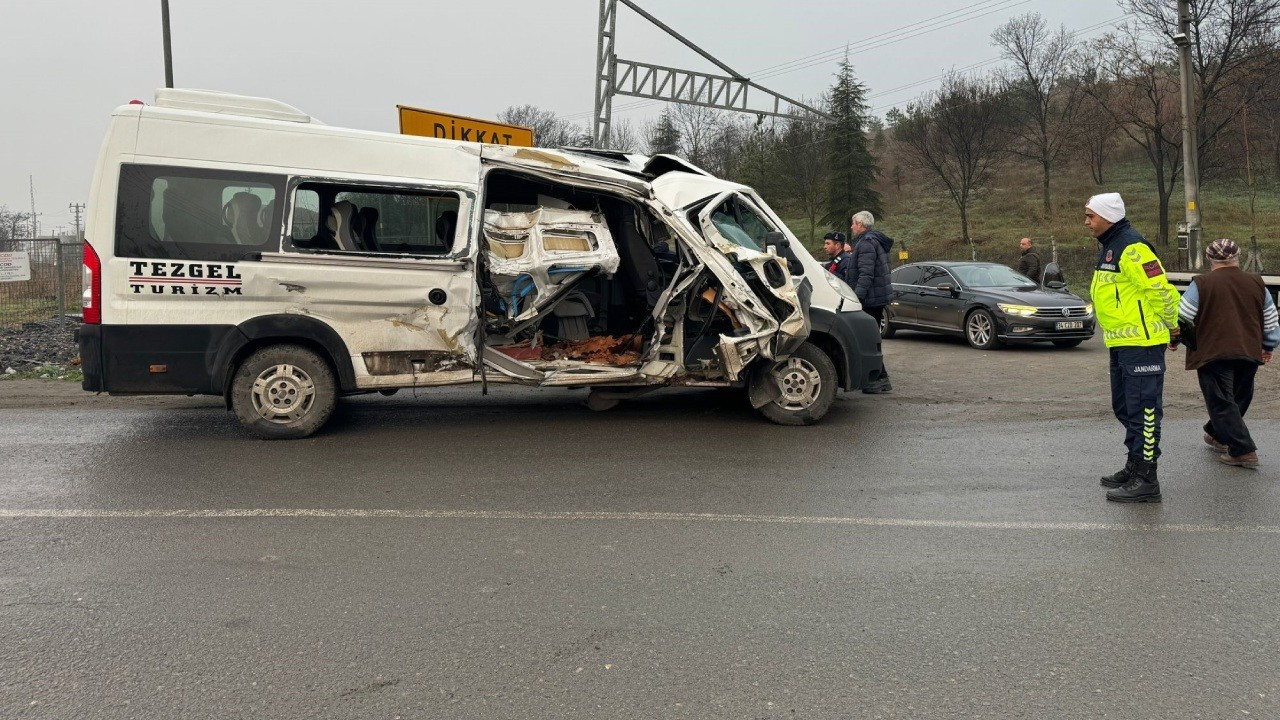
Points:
point(1070, 325)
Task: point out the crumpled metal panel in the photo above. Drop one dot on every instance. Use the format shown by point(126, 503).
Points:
point(529, 253)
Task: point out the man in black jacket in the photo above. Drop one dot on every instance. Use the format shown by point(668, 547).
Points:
point(1029, 263)
point(870, 274)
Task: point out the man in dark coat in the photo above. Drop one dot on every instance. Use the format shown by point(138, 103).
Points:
point(1029, 263)
point(870, 279)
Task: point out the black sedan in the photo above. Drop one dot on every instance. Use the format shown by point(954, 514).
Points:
point(987, 303)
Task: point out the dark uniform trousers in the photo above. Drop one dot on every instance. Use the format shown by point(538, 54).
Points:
point(1137, 398)
point(1228, 391)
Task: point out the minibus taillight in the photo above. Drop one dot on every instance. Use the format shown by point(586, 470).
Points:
point(92, 278)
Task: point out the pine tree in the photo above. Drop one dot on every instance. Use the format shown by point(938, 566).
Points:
point(663, 135)
point(853, 170)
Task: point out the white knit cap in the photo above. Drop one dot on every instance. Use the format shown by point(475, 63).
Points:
point(1108, 206)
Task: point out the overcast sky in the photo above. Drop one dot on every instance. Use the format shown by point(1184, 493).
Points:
point(68, 63)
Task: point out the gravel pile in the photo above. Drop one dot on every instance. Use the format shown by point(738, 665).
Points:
point(38, 343)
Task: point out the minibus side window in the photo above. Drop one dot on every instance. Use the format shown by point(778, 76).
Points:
point(196, 214)
point(342, 218)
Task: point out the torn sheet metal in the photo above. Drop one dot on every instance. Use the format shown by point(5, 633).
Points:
point(529, 254)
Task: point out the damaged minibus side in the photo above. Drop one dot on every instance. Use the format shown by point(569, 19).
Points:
point(581, 245)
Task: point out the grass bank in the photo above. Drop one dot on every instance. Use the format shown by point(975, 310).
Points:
point(925, 221)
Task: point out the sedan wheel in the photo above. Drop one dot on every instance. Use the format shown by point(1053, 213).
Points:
point(980, 330)
point(887, 330)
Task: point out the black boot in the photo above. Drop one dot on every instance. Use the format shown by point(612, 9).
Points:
point(1143, 485)
point(1118, 479)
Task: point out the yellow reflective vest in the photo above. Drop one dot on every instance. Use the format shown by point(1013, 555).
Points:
point(1131, 294)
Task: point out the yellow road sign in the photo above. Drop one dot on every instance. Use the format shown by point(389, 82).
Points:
point(904, 255)
point(429, 123)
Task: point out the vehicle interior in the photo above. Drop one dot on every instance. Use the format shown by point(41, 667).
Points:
point(329, 217)
point(573, 276)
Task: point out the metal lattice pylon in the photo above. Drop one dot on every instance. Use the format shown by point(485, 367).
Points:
point(658, 82)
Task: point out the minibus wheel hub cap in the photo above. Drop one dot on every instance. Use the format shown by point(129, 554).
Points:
point(799, 381)
point(283, 393)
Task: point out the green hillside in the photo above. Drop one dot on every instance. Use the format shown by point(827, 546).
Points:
point(927, 222)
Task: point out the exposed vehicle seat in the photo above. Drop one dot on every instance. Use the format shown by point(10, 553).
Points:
point(267, 212)
point(369, 228)
point(340, 223)
point(638, 261)
point(572, 316)
point(241, 215)
point(446, 224)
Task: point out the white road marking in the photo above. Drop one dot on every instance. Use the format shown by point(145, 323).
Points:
point(626, 517)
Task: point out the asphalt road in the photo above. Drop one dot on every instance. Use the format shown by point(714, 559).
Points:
point(519, 556)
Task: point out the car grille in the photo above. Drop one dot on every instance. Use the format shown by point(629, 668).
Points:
point(1075, 312)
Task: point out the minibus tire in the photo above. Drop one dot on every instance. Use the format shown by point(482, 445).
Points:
point(278, 408)
point(801, 403)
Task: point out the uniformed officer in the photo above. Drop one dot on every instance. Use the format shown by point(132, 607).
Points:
point(834, 244)
point(1137, 310)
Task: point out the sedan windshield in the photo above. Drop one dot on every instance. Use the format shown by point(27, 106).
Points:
point(977, 276)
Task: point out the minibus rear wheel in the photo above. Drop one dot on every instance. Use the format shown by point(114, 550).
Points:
point(282, 392)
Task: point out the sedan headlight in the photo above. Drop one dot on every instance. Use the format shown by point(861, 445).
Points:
point(1088, 309)
point(1020, 310)
point(841, 287)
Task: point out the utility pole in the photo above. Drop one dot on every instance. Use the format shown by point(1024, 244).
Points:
point(76, 209)
point(1190, 142)
point(31, 183)
point(168, 48)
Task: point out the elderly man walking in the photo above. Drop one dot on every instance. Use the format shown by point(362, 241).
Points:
point(869, 275)
point(1137, 310)
point(1231, 328)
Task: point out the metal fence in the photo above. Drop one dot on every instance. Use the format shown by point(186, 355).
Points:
point(54, 288)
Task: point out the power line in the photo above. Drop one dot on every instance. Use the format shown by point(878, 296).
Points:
point(1073, 34)
point(981, 64)
point(831, 55)
point(890, 33)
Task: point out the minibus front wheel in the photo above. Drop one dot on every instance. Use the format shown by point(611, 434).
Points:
point(283, 392)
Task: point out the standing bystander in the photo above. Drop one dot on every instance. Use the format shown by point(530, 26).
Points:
point(1029, 262)
point(1137, 310)
point(1230, 327)
point(870, 275)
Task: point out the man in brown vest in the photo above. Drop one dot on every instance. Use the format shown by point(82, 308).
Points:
point(1230, 328)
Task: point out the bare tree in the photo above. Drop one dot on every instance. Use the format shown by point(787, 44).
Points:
point(725, 154)
point(623, 136)
point(698, 127)
point(1097, 128)
point(1044, 106)
point(1141, 96)
point(1233, 44)
point(957, 134)
point(549, 130)
point(13, 226)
